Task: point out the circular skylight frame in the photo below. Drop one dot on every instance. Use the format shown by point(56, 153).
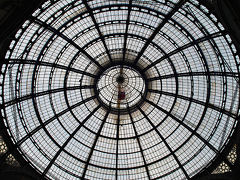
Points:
point(16, 56)
point(133, 86)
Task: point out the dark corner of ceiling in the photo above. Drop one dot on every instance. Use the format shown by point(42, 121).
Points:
point(12, 15)
point(228, 12)
point(229, 15)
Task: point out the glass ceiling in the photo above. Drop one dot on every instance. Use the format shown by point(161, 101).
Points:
point(120, 89)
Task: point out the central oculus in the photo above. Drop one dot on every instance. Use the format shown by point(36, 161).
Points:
point(121, 88)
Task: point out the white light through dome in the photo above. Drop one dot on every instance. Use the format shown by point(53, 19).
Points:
point(181, 94)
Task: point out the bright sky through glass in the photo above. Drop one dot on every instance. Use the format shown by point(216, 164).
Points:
point(184, 120)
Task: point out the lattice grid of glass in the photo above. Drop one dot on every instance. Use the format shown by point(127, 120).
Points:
point(166, 111)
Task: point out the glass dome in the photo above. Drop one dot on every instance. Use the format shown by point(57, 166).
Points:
point(120, 89)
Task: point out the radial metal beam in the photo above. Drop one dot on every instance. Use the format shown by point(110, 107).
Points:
point(126, 30)
point(70, 41)
point(49, 64)
point(224, 64)
point(50, 91)
point(31, 133)
point(45, 123)
point(160, 26)
point(117, 143)
point(192, 43)
point(194, 132)
point(94, 144)
point(213, 43)
point(166, 144)
point(167, 55)
point(212, 106)
point(68, 140)
point(139, 144)
point(90, 11)
point(191, 130)
point(188, 74)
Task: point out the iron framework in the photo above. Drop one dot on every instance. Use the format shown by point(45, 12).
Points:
point(59, 93)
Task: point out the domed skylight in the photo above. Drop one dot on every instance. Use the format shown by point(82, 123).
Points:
point(118, 89)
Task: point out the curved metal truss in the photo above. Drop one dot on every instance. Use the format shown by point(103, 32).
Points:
point(127, 89)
